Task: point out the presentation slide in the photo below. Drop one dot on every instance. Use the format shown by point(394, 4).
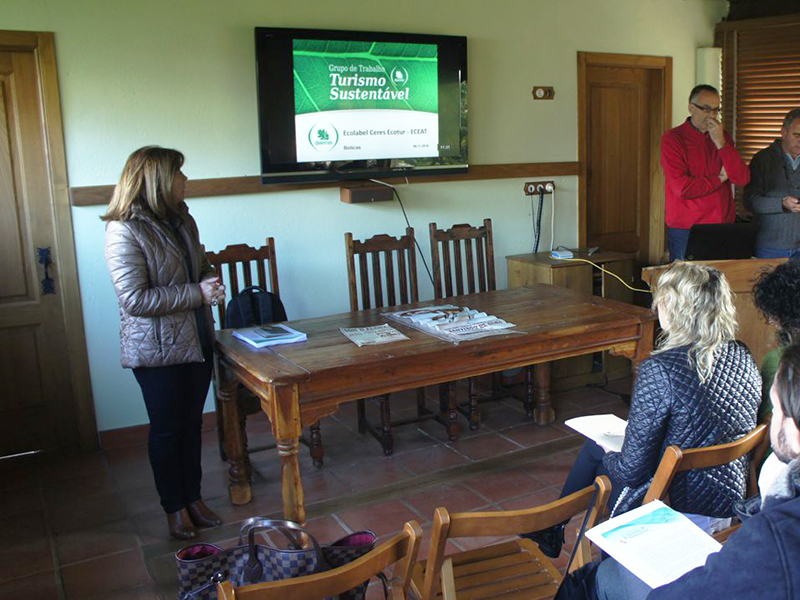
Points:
point(365, 100)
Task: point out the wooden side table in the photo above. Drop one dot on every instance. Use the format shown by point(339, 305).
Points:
point(527, 269)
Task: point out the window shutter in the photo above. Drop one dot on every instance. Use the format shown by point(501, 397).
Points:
point(761, 78)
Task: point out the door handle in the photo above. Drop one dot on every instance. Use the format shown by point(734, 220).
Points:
point(45, 259)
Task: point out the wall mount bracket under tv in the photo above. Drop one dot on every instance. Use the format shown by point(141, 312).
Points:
point(350, 105)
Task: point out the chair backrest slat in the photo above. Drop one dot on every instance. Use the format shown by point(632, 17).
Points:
point(227, 263)
point(378, 273)
point(479, 260)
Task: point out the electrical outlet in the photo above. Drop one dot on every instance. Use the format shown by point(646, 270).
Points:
point(534, 188)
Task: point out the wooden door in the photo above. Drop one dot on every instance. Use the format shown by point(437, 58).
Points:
point(618, 178)
point(37, 404)
point(624, 106)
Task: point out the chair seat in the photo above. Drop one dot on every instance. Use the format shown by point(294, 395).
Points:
point(515, 569)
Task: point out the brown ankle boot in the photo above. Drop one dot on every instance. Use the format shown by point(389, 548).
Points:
point(202, 516)
point(180, 525)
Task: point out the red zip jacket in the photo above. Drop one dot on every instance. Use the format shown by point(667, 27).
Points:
point(691, 164)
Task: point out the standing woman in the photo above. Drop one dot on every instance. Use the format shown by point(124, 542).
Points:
point(165, 285)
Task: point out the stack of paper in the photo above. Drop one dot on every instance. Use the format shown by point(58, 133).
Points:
point(367, 336)
point(269, 335)
point(452, 323)
point(655, 543)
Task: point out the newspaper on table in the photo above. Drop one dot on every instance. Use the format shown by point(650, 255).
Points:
point(607, 430)
point(368, 336)
point(655, 543)
point(452, 323)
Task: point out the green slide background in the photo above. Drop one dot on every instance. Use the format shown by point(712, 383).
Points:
point(312, 81)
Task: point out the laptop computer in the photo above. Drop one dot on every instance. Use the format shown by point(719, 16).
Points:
point(721, 242)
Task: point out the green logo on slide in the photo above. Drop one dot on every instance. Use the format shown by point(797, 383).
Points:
point(399, 76)
point(323, 137)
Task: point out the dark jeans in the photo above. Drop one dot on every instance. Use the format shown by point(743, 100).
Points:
point(676, 242)
point(589, 465)
point(174, 397)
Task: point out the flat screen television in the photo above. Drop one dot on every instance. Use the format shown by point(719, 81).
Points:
point(344, 105)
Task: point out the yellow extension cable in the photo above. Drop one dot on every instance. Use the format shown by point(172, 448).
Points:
point(622, 281)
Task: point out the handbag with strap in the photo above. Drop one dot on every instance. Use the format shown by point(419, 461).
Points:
point(202, 566)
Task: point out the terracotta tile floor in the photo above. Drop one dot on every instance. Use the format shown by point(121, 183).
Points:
point(90, 526)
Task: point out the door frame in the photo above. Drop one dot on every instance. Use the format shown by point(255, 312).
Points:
point(42, 44)
point(660, 121)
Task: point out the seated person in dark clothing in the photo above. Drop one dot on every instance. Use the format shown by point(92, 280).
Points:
point(699, 388)
point(758, 561)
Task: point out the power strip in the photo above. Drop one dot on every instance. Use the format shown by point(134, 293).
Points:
point(561, 253)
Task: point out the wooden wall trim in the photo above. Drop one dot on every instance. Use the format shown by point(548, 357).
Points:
point(233, 186)
point(758, 23)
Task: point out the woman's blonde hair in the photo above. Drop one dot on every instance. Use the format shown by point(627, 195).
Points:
point(146, 182)
point(698, 303)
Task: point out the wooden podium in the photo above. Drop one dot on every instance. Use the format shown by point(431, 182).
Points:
point(741, 275)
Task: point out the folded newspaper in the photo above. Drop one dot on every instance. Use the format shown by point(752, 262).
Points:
point(654, 542)
point(368, 336)
point(452, 323)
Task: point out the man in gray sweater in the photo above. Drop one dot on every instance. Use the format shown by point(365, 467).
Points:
point(773, 193)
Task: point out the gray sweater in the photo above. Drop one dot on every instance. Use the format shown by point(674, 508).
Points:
point(772, 178)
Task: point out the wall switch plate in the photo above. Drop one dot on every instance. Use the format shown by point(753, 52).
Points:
point(543, 92)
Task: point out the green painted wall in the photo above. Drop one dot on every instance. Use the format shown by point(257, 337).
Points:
point(181, 73)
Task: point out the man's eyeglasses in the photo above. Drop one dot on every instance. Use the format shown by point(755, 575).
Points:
point(708, 109)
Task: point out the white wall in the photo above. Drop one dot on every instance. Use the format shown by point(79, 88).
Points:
point(181, 73)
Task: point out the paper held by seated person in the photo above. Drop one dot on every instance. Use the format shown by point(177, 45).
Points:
point(452, 323)
point(655, 543)
point(607, 431)
point(369, 336)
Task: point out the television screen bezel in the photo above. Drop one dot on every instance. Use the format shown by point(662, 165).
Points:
point(307, 172)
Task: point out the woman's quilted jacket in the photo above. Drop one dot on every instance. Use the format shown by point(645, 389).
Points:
point(157, 297)
point(671, 406)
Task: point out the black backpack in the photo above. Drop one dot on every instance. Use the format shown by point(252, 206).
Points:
point(254, 306)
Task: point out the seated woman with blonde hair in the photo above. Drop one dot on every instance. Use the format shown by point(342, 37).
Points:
point(699, 388)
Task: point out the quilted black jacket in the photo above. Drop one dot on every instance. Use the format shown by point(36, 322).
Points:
point(671, 406)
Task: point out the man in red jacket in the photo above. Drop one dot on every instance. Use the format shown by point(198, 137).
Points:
point(700, 162)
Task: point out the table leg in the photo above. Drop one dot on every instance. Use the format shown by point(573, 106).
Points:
point(294, 503)
point(239, 471)
point(317, 450)
point(452, 411)
point(287, 429)
point(543, 414)
point(527, 401)
point(474, 413)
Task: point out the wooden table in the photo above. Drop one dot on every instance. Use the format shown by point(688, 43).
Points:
point(300, 383)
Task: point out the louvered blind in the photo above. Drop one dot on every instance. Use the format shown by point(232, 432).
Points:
point(761, 78)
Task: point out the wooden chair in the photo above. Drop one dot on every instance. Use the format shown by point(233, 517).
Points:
point(385, 264)
point(472, 270)
point(401, 550)
point(236, 266)
point(675, 461)
point(513, 569)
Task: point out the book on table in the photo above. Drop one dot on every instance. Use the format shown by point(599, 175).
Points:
point(654, 542)
point(452, 323)
point(369, 336)
point(269, 335)
point(606, 430)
